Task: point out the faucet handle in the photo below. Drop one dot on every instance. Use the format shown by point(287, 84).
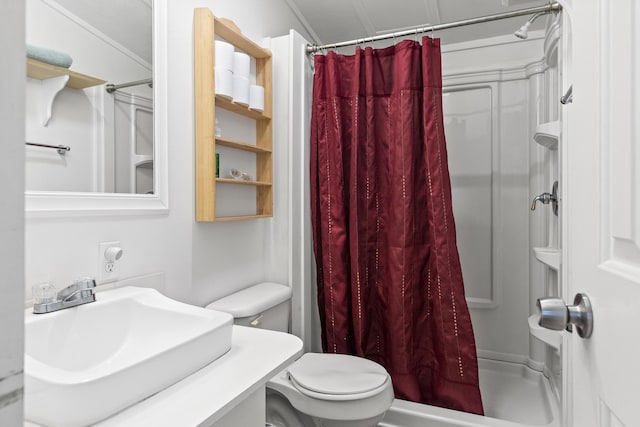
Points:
point(84, 283)
point(43, 293)
point(81, 291)
point(79, 287)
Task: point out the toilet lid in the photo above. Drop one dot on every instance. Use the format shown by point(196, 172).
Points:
point(337, 374)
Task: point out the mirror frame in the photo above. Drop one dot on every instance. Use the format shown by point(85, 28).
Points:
point(64, 204)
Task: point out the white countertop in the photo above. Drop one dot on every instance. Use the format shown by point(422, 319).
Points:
point(256, 355)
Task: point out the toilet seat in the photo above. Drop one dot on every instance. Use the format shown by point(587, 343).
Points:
point(366, 400)
point(337, 376)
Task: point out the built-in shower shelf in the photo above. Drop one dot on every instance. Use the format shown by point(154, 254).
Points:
point(547, 135)
point(142, 159)
point(547, 336)
point(552, 257)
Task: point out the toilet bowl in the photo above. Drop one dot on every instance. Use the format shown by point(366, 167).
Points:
point(328, 390)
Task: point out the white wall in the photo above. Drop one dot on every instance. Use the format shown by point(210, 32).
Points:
point(229, 256)
point(200, 262)
point(11, 212)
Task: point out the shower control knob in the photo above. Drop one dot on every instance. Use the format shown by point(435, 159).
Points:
point(555, 315)
point(547, 198)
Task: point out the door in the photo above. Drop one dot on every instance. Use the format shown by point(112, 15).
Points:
point(601, 203)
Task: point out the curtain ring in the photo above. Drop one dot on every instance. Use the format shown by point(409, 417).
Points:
point(433, 36)
point(415, 35)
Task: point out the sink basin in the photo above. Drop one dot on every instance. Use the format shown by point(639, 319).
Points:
point(86, 363)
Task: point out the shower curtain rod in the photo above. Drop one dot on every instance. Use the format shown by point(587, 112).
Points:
point(112, 88)
point(548, 8)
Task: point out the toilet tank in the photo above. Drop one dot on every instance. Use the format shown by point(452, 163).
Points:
point(265, 305)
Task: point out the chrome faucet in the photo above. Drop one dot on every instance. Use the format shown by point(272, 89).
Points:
point(79, 292)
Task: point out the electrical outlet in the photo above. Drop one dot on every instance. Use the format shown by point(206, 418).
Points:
point(108, 255)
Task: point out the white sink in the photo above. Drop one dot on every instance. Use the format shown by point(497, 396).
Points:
point(86, 363)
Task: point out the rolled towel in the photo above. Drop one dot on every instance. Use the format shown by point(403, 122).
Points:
point(49, 56)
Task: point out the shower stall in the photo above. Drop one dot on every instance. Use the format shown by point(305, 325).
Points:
point(502, 123)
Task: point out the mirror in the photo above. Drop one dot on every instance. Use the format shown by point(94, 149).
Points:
point(110, 135)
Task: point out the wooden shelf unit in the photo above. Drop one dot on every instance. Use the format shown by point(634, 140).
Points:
point(206, 27)
point(42, 71)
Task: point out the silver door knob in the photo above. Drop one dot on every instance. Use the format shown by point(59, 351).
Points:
point(555, 315)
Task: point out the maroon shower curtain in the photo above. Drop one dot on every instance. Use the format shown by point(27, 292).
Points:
point(389, 279)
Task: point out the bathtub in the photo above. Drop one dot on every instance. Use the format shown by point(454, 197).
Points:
point(513, 396)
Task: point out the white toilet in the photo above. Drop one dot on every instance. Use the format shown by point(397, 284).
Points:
point(317, 390)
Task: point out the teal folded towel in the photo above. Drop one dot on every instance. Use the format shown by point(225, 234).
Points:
point(49, 56)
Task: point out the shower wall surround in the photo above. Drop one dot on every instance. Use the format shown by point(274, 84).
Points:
point(490, 93)
point(487, 87)
point(494, 97)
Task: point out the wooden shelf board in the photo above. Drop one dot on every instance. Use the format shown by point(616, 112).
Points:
point(223, 102)
point(240, 218)
point(233, 36)
point(227, 142)
point(42, 71)
point(242, 182)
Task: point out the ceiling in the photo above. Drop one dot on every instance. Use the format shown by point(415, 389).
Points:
point(127, 22)
point(331, 21)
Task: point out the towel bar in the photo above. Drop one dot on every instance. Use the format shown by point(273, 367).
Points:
point(62, 149)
